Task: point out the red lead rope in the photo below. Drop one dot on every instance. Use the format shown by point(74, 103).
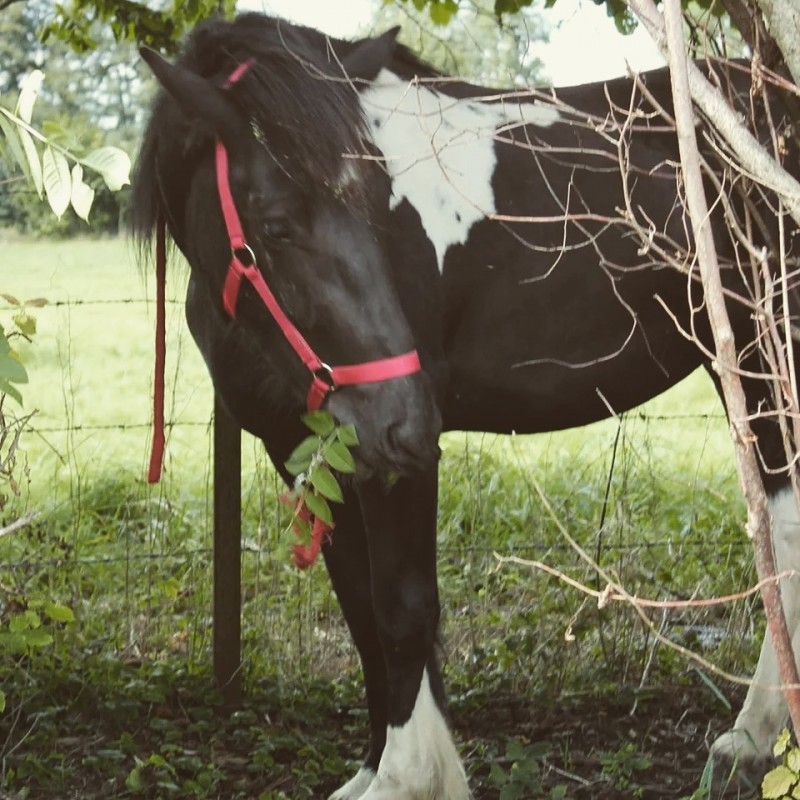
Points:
point(157, 452)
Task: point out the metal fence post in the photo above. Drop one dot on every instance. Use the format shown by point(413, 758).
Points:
point(227, 555)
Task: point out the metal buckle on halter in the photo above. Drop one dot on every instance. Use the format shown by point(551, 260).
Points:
point(324, 373)
point(248, 252)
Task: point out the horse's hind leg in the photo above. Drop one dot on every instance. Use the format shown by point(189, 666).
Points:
point(748, 746)
point(419, 760)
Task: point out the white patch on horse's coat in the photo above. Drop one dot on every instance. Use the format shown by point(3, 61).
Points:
point(764, 711)
point(439, 151)
point(356, 787)
point(420, 761)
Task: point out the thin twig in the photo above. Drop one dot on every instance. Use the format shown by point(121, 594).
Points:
point(615, 593)
point(18, 524)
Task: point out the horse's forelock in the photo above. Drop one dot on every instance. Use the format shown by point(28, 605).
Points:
point(295, 89)
point(291, 92)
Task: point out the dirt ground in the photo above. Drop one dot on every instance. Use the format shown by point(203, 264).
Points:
point(649, 744)
point(666, 735)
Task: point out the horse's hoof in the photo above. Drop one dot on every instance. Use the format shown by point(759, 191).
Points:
point(356, 787)
point(737, 767)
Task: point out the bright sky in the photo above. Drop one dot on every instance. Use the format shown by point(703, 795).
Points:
point(584, 44)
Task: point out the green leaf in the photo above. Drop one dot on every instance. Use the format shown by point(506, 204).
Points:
point(338, 457)
point(81, 194)
point(715, 690)
point(347, 435)
point(497, 775)
point(512, 791)
point(2, 701)
point(32, 158)
point(777, 783)
point(28, 94)
point(26, 323)
point(135, 782)
point(113, 164)
point(442, 11)
point(10, 390)
point(321, 422)
point(12, 137)
point(300, 459)
point(58, 612)
point(38, 638)
point(782, 743)
point(57, 180)
point(793, 760)
point(515, 750)
point(323, 481)
point(319, 507)
point(12, 370)
point(23, 622)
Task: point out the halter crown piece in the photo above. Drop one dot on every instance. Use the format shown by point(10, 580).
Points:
point(324, 378)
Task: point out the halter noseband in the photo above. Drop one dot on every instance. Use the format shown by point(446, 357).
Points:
point(324, 378)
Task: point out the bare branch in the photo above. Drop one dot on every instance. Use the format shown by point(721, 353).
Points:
point(726, 358)
point(18, 524)
point(614, 592)
point(713, 105)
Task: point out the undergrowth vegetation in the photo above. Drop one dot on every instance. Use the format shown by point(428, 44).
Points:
point(121, 701)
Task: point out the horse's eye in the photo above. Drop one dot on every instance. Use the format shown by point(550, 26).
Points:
point(278, 228)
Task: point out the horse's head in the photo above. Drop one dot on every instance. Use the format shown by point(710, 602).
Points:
point(257, 160)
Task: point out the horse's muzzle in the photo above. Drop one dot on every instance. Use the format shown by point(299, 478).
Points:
point(398, 425)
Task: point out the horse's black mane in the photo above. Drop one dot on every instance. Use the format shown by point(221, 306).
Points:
point(294, 92)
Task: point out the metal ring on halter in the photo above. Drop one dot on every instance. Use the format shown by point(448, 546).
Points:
point(245, 248)
point(328, 371)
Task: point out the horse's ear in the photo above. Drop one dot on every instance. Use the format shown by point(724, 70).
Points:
point(369, 56)
point(197, 98)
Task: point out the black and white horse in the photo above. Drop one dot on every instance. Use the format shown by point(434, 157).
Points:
point(520, 262)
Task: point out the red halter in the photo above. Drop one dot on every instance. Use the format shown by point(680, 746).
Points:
point(367, 372)
point(324, 379)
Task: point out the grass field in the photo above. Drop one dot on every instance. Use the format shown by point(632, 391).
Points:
point(91, 376)
point(133, 561)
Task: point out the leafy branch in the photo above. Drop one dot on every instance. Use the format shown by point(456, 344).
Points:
point(12, 370)
point(783, 782)
point(49, 171)
point(312, 463)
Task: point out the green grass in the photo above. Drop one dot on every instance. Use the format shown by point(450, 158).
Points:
point(134, 562)
point(91, 372)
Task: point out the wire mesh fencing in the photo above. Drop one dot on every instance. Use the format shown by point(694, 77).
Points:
point(650, 495)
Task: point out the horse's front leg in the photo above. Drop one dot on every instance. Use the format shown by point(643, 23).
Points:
point(419, 760)
point(347, 560)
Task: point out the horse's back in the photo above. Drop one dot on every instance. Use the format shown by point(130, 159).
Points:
point(572, 301)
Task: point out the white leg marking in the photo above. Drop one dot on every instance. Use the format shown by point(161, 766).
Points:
point(355, 787)
point(764, 711)
point(440, 151)
point(420, 761)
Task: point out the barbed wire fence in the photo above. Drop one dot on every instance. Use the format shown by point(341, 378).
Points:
point(137, 560)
